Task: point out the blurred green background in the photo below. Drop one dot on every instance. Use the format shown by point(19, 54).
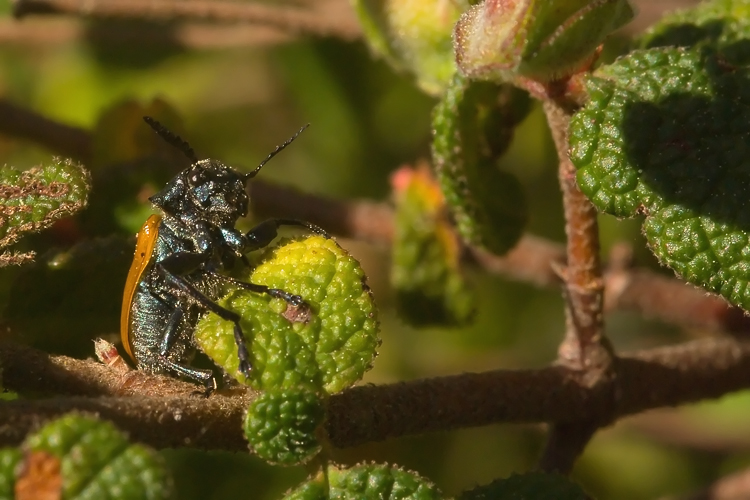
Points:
point(236, 104)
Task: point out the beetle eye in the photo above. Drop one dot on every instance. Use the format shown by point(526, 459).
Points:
point(197, 177)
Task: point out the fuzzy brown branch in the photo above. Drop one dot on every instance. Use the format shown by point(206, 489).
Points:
point(323, 18)
point(584, 346)
point(362, 220)
point(732, 487)
point(666, 376)
point(672, 301)
point(53, 32)
point(565, 443)
point(173, 422)
point(65, 140)
point(676, 429)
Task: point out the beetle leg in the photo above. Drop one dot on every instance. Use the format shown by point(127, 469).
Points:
point(182, 263)
point(265, 232)
point(205, 377)
point(161, 359)
point(169, 332)
point(225, 314)
point(277, 293)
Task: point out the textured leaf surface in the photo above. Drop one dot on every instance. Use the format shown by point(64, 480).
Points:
point(367, 482)
point(531, 486)
point(329, 349)
point(413, 35)
point(665, 134)
point(280, 425)
point(32, 200)
point(473, 125)
point(97, 461)
point(425, 272)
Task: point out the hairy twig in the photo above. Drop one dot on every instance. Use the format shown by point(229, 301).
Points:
point(676, 429)
point(68, 141)
point(666, 376)
point(584, 346)
point(732, 487)
point(362, 220)
point(52, 32)
point(565, 443)
point(324, 18)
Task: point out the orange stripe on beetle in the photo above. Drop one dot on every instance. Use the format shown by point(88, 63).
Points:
point(144, 247)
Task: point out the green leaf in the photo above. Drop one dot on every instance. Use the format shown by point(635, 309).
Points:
point(97, 462)
point(367, 482)
point(32, 200)
point(665, 135)
point(281, 424)
point(530, 486)
point(9, 460)
point(537, 39)
point(328, 347)
point(720, 26)
point(414, 35)
point(425, 272)
point(473, 125)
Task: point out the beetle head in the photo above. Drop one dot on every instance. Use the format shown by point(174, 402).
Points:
point(207, 190)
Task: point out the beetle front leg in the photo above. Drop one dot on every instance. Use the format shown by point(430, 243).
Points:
point(277, 293)
point(264, 233)
point(205, 377)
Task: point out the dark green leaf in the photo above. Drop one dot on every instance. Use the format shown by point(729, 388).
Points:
point(665, 135)
point(281, 424)
point(367, 482)
point(473, 125)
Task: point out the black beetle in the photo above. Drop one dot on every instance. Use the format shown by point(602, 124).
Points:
point(176, 275)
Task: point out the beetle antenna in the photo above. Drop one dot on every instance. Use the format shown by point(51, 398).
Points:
point(276, 151)
point(172, 138)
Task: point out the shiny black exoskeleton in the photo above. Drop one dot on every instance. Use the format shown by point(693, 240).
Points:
point(177, 270)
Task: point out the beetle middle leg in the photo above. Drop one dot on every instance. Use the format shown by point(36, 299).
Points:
point(159, 357)
point(242, 352)
point(261, 236)
point(277, 293)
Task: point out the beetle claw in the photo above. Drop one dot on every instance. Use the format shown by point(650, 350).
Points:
point(245, 368)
